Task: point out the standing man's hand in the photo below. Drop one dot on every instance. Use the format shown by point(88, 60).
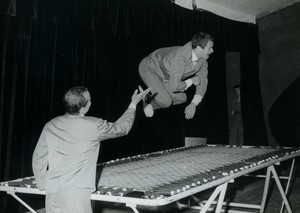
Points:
point(139, 94)
point(190, 111)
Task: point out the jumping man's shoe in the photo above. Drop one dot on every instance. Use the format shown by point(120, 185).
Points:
point(148, 109)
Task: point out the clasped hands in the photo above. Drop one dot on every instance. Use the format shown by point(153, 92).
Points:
point(139, 94)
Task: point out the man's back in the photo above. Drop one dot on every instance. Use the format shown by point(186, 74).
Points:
point(73, 146)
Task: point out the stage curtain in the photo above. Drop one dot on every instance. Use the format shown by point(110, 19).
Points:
point(48, 46)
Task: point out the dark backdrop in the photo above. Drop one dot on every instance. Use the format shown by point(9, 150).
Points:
point(284, 116)
point(46, 47)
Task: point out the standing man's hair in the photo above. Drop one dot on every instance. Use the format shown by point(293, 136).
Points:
point(74, 100)
point(201, 39)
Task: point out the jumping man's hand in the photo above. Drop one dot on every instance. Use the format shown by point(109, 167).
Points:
point(190, 111)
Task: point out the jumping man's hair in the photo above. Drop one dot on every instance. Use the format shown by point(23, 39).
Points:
point(201, 39)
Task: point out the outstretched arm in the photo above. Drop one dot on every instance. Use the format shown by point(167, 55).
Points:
point(122, 126)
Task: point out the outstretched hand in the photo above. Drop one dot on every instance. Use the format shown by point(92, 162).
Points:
point(139, 94)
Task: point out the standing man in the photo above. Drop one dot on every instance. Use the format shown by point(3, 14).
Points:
point(65, 157)
point(170, 71)
point(236, 122)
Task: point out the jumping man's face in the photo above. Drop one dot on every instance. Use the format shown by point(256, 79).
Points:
point(206, 51)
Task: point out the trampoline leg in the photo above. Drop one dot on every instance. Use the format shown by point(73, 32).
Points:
point(133, 207)
point(22, 202)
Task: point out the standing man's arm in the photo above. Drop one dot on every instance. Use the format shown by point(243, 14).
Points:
point(40, 161)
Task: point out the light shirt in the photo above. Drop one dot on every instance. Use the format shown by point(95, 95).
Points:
point(194, 58)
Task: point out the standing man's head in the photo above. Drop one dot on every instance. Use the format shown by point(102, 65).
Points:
point(202, 45)
point(77, 100)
